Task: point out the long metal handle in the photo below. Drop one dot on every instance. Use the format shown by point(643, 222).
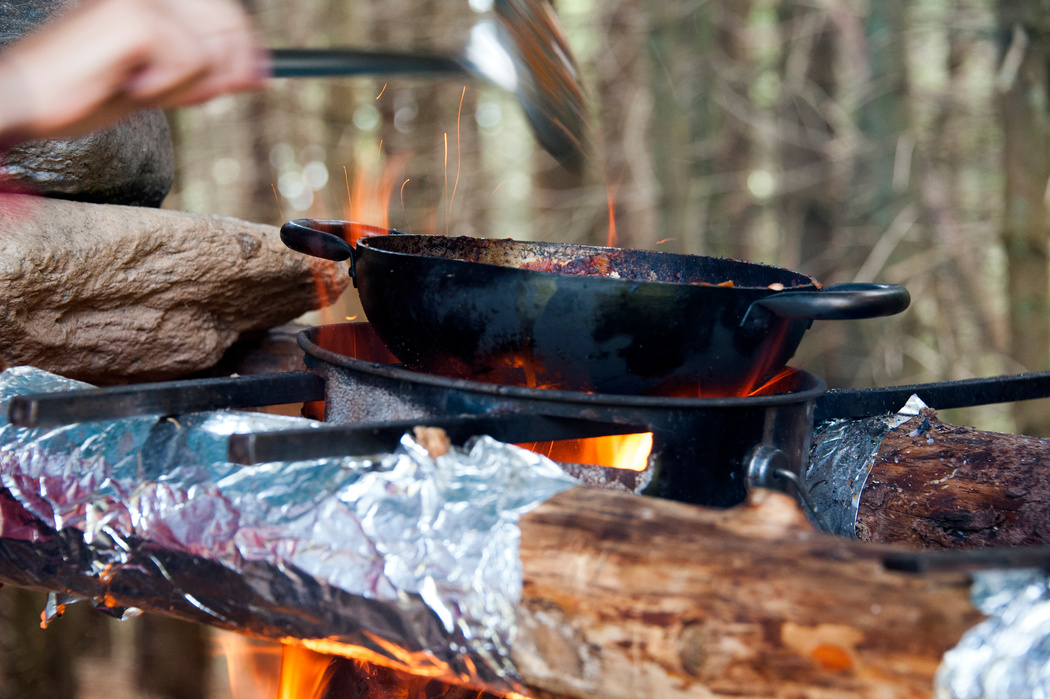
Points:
point(313, 63)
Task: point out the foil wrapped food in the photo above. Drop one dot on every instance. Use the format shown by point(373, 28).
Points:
point(841, 458)
point(1008, 655)
point(412, 558)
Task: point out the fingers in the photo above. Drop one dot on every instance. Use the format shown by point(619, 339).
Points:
point(107, 58)
point(209, 49)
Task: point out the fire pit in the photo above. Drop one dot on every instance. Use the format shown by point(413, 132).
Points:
point(698, 586)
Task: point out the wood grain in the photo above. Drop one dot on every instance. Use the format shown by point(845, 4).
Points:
point(628, 596)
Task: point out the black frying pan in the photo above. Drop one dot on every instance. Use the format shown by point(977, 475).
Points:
point(583, 317)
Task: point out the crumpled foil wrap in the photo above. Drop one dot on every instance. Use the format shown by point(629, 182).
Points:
point(1007, 655)
point(404, 555)
point(841, 458)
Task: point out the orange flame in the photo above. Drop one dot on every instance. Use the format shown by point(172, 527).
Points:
point(312, 668)
point(254, 667)
point(373, 190)
point(626, 451)
point(611, 189)
point(304, 673)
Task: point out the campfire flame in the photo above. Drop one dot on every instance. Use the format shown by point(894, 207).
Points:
point(313, 668)
point(369, 199)
point(304, 673)
point(626, 451)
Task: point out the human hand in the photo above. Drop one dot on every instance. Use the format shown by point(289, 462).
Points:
point(107, 58)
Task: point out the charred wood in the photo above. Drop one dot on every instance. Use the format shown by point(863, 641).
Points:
point(939, 486)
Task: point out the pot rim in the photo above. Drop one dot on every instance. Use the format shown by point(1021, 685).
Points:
point(811, 283)
point(812, 385)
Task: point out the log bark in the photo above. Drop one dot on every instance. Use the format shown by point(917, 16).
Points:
point(629, 597)
point(938, 486)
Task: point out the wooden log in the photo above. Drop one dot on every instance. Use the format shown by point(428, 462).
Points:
point(623, 596)
point(627, 596)
point(938, 486)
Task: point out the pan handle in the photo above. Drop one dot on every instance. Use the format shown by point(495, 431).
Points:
point(319, 238)
point(838, 302)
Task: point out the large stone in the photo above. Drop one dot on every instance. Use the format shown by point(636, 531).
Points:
point(112, 294)
point(131, 162)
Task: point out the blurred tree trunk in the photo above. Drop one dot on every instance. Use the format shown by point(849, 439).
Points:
point(809, 201)
point(575, 207)
point(625, 105)
point(678, 83)
point(877, 192)
point(734, 152)
point(703, 145)
point(943, 166)
point(1023, 85)
point(882, 119)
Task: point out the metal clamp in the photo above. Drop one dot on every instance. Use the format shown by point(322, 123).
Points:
point(767, 467)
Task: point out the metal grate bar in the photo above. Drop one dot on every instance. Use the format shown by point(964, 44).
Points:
point(164, 398)
point(383, 437)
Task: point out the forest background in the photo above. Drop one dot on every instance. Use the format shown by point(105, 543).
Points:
point(853, 140)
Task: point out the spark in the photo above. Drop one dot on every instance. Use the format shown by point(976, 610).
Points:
point(349, 199)
point(497, 187)
point(403, 195)
point(459, 154)
point(274, 188)
point(382, 91)
point(446, 184)
point(665, 240)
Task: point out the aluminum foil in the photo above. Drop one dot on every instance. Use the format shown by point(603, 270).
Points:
point(1008, 655)
point(398, 549)
point(841, 458)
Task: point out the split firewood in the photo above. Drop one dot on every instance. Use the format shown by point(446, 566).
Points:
point(938, 486)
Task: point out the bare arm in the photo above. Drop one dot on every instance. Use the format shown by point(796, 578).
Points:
point(107, 58)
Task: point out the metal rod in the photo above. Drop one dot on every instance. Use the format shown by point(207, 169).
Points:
point(867, 402)
point(383, 438)
point(164, 398)
point(312, 63)
point(1036, 557)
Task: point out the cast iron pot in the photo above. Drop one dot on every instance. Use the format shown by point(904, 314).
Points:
point(581, 317)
